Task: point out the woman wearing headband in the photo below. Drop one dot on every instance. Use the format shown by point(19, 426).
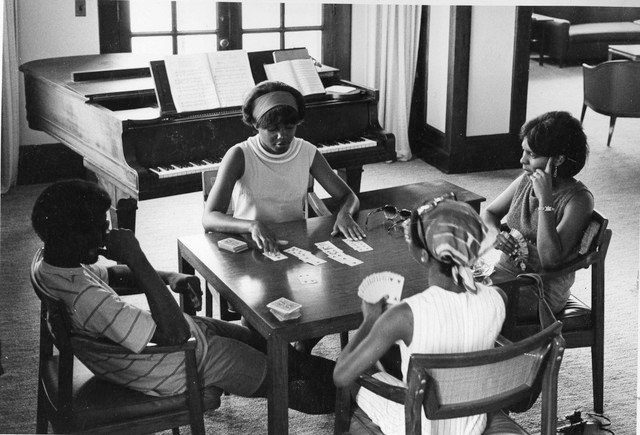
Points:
point(266, 176)
point(454, 313)
point(547, 207)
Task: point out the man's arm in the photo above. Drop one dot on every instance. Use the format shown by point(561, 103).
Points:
point(171, 326)
point(122, 280)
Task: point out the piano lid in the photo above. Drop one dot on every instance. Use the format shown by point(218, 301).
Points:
point(97, 77)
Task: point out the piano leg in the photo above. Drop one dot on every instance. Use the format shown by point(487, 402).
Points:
point(352, 176)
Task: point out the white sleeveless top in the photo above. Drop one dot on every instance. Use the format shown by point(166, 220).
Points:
point(443, 322)
point(273, 187)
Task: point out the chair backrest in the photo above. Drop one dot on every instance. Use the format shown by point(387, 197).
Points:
point(54, 313)
point(55, 328)
point(313, 203)
point(593, 245)
point(463, 384)
point(613, 88)
point(208, 180)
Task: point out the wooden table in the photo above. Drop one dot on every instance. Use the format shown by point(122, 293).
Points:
point(412, 195)
point(631, 51)
point(249, 280)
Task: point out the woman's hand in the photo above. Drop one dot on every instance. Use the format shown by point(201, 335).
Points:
point(347, 226)
point(264, 237)
point(507, 244)
point(371, 312)
point(187, 285)
point(542, 183)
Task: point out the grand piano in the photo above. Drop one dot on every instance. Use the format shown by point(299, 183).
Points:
point(104, 108)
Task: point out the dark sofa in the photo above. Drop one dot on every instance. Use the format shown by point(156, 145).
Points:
point(583, 34)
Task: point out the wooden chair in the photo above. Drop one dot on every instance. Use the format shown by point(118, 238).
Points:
point(612, 88)
point(462, 384)
point(314, 207)
point(73, 400)
point(583, 325)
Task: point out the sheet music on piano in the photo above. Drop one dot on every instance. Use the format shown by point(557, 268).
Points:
point(202, 81)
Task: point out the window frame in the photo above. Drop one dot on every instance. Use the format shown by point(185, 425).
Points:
point(115, 34)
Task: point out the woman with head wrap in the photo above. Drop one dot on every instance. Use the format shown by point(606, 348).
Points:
point(453, 314)
point(266, 176)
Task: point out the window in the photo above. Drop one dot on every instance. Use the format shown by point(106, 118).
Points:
point(179, 27)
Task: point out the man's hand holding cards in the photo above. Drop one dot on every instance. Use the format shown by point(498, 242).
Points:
point(380, 285)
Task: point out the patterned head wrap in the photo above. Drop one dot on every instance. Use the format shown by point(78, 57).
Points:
point(268, 101)
point(452, 232)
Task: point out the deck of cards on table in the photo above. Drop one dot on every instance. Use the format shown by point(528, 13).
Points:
point(379, 285)
point(232, 245)
point(284, 309)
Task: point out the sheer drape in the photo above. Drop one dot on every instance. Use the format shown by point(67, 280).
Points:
point(10, 98)
point(391, 42)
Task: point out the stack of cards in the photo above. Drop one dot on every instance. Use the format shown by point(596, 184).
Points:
point(284, 309)
point(232, 245)
point(304, 255)
point(337, 254)
point(378, 285)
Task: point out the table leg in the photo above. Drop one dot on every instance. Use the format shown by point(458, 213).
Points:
point(186, 268)
point(278, 395)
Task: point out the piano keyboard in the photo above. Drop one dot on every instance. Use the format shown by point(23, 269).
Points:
point(187, 168)
point(180, 169)
point(346, 145)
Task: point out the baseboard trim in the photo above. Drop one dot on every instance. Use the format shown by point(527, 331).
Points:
point(46, 163)
point(473, 154)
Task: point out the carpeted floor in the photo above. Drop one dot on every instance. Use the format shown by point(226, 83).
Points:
point(613, 175)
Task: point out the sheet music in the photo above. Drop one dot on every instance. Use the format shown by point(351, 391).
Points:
point(299, 73)
point(308, 77)
point(232, 76)
point(191, 81)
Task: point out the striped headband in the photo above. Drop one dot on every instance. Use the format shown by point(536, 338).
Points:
point(453, 234)
point(268, 101)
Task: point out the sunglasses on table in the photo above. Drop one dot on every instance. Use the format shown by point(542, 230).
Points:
point(390, 212)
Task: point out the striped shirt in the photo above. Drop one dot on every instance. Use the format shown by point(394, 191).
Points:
point(96, 310)
point(443, 322)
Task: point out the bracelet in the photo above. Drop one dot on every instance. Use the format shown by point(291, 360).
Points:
point(547, 208)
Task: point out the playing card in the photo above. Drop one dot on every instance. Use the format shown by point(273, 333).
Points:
point(358, 245)
point(378, 285)
point(313, 260)
point(306, 278)
point(275, 256)
point(327, 246)
point(345, 259)
point(294, 250)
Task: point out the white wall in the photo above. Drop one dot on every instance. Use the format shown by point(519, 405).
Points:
point(490, 69)
point(437, 67)
point(49, 28)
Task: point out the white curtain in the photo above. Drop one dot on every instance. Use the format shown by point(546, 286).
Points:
point(391, 41)
point(10, 98)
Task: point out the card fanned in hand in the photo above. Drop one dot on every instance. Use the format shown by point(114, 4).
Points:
point(379, 285)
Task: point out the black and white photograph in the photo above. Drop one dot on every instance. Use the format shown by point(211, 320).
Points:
point(360, 217)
